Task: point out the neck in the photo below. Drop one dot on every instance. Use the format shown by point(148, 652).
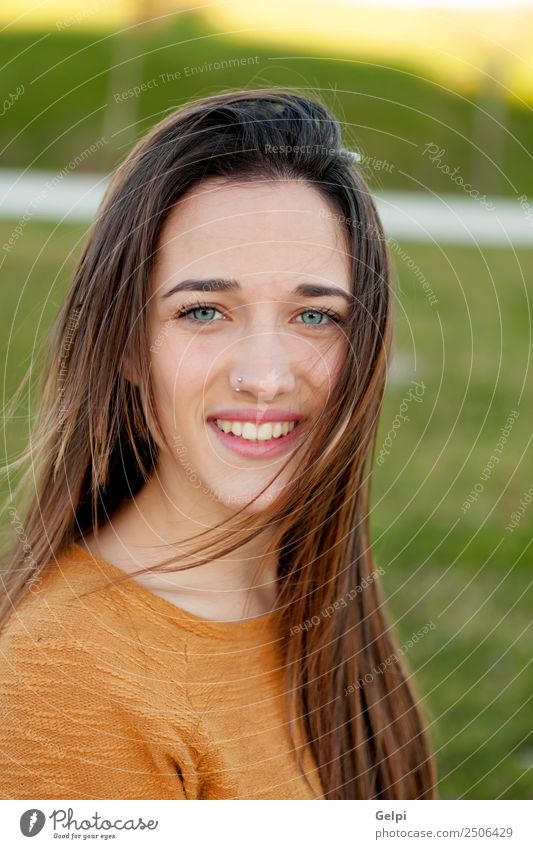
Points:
point(152, 527)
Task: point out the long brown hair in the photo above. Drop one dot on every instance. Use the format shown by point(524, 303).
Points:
point(92, 447)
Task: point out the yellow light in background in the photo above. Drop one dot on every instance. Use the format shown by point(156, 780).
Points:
point(61, 15)
point(455, 46)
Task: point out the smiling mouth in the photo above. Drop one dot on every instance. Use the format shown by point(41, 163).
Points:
point(248, 432)
point(267, 445)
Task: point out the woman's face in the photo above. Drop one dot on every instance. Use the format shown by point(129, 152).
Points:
point(243, 250)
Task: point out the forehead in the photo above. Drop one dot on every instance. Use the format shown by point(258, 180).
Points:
point(255, 231)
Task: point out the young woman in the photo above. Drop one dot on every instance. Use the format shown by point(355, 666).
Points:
point(191, 610)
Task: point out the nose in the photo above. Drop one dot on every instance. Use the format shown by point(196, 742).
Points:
point(264, 367)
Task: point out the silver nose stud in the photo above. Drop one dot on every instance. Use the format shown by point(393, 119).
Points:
point(237, 388)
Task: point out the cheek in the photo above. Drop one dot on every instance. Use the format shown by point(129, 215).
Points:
point(180, 371)
point(327, 368)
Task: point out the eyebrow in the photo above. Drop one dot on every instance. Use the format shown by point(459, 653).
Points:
point(306, 290)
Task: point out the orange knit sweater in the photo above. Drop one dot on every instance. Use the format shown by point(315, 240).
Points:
point(123, 695)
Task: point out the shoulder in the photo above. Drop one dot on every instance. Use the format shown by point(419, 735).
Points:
point(93, 704)
point(78, 592)
point(73, 630)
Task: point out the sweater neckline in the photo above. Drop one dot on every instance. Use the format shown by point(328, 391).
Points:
point(233, 627)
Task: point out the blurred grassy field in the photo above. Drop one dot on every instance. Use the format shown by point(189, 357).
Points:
point(462, 571)
point(74, 88)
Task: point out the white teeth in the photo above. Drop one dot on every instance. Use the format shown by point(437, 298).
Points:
point(247, 430)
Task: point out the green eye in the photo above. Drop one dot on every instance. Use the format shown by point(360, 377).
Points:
point(185, 312)
point(188, 314)
point(203, 310)
point(318, 314)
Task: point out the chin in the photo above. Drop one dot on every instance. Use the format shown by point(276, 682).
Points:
point(236, 501)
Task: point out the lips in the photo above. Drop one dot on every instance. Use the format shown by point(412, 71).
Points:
point(257, 417)
point(254, 448)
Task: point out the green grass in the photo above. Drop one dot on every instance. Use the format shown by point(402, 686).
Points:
point(71, 81)
point(460, 570)
point(463, 570)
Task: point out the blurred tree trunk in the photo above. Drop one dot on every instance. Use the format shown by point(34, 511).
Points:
point(488, 137)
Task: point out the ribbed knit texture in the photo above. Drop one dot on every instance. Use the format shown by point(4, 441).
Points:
point(122, 695)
